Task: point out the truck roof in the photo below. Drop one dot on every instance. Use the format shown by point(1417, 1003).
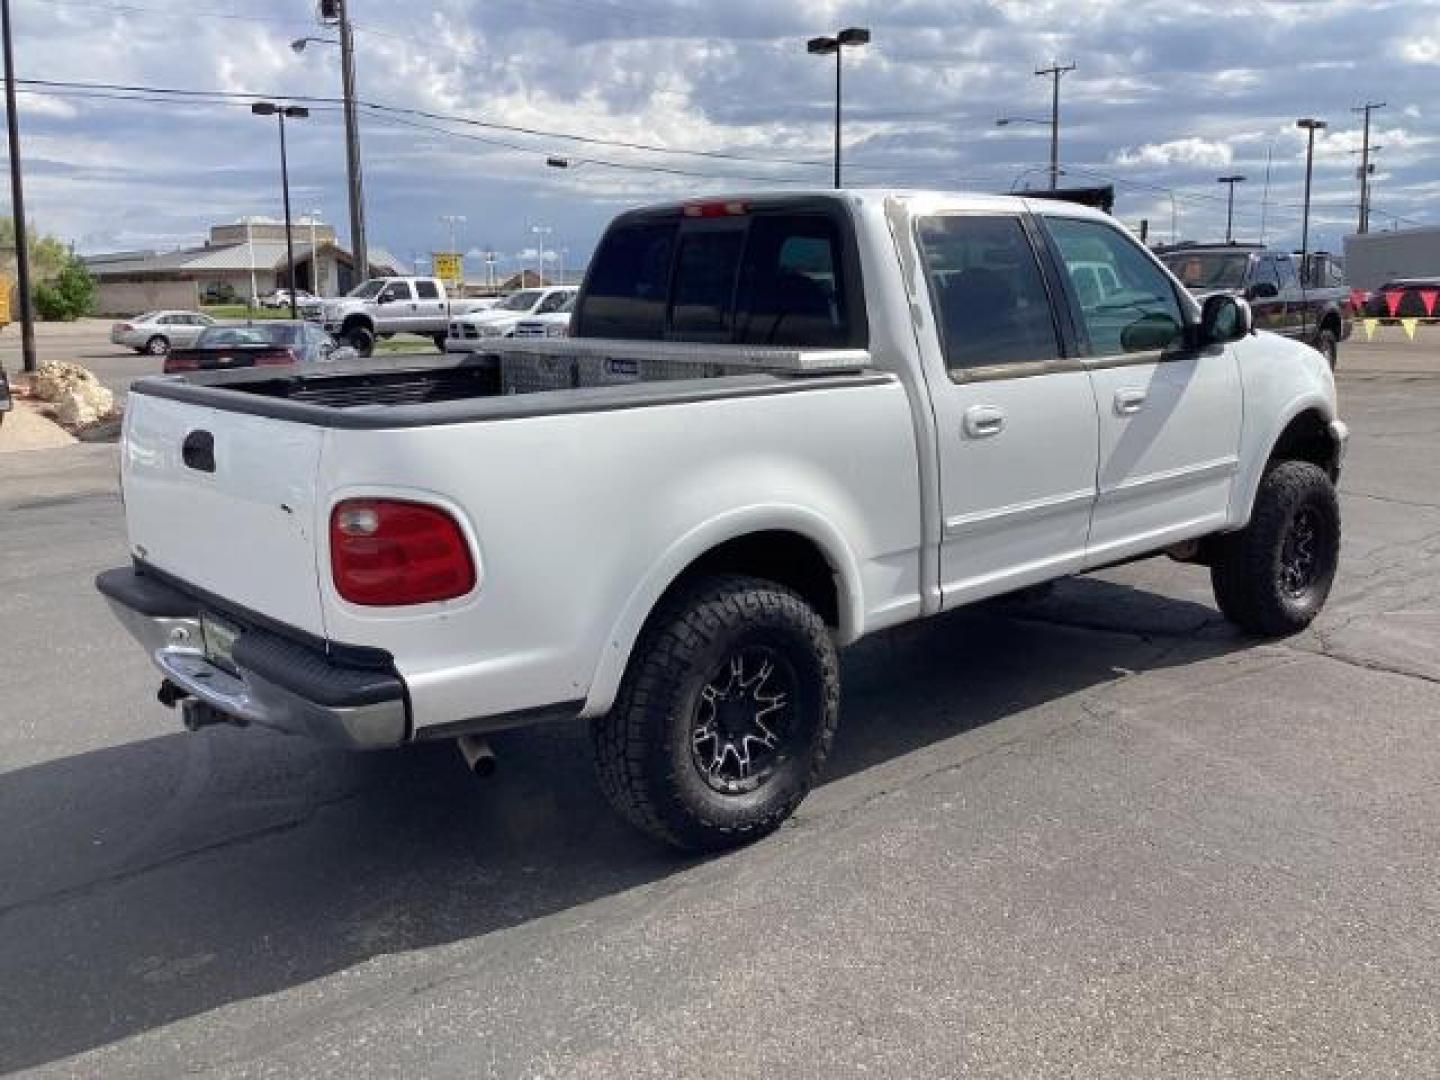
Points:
point(870, 196)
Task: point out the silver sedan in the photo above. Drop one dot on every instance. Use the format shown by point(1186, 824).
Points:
point(156, 332)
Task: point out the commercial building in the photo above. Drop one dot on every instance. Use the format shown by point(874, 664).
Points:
point(1372, 259)
point(239, 260)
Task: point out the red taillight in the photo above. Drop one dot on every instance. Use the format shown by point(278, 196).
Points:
point(180, 362)
point(716, 208)
point(388, 553)
point(121, 328)
point(275, 357)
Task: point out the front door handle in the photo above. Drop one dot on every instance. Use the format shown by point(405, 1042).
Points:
point(982, 421)
point(1129, 402)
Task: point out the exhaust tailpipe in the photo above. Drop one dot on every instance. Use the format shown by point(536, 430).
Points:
point(479, 758)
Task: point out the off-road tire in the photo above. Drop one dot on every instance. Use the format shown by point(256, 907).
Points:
point(159, 345)
point(644, 748)
point(359, 338)
point(1249, 567)
point(1328, 346)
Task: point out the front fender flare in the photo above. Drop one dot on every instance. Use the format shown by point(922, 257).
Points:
point(680, 556)
point(1252, 468)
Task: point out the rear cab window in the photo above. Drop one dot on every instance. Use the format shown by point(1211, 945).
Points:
point(785, 273)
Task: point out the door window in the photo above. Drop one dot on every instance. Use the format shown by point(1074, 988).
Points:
point(554, 302)
point(1288, 278)
point(1265, 273)
point(427, 290)
point(989, 297)
point(1140, 311)
point(396, 290)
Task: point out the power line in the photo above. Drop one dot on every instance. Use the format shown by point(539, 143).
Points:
point(516, 129)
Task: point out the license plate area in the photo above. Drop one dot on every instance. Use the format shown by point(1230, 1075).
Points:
point(217, 638)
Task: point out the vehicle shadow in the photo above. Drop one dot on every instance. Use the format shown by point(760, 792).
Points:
point(163, 879)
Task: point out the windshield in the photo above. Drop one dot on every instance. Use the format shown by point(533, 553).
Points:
point(230, 336)
point(368, 290)
point(1218, 270)
point(520, 301)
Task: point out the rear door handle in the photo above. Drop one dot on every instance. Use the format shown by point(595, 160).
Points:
point(1129, 402)
point(982, 421)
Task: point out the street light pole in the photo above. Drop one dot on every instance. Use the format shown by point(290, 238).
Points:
point(1309, 126)
point(280, 112)
point(1231, 181)
point(337, 13)
point(17, 198)
point(1055, 70)
point(824, 46)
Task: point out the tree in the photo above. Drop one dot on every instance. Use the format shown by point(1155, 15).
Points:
point(68, 296)
point(48, 254)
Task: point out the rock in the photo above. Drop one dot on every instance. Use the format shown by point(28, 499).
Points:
point(83, 404)
point(54, 378)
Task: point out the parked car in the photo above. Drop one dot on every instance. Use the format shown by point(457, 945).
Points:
point(1270, 281)
point(5, 403)
point(1404, 298)
point(280, 298)
point(156, 332)
point(381, 307)
point(470, 332)
point(549, 324)
point(257, 344)
point(782, 423)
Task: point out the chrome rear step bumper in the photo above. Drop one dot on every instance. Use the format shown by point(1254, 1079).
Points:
point(276, 681)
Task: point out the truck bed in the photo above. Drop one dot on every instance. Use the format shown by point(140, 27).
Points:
point(574, 375)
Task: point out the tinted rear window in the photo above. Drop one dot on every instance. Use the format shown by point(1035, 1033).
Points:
point(762, 278)
point(626, 292)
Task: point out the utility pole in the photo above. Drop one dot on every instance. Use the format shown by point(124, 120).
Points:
point(1230, 181)
point(1365, 166)
point(1055, 71)
point(17, 198)
point(338, 11)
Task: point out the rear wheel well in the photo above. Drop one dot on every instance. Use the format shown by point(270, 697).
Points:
point(783, 557)
point(1307, 438)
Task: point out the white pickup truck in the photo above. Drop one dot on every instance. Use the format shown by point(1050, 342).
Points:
point(782, 423)
point(382, 307)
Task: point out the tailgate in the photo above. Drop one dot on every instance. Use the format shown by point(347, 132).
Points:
point(225, 502)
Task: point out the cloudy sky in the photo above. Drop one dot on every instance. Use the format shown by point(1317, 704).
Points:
point(1167, 95)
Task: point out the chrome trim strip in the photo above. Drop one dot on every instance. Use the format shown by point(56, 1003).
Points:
point(1035, 508)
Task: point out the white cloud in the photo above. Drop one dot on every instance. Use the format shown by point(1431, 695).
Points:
point(1188, 151)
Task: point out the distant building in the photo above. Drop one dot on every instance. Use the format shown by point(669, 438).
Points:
point(1374, 258)
point(240, 260)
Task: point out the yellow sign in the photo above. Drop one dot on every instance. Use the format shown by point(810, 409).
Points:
point(448, 266)
point(5, 286)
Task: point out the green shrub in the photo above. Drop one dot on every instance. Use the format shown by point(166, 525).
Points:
point(70, 294)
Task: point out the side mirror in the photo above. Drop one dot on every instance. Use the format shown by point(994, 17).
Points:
point(1224, 318)
point(1149, 333)
point(384, 298)
point(1263, 290)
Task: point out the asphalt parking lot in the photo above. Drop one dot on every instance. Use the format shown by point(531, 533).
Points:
point(1101, 835)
